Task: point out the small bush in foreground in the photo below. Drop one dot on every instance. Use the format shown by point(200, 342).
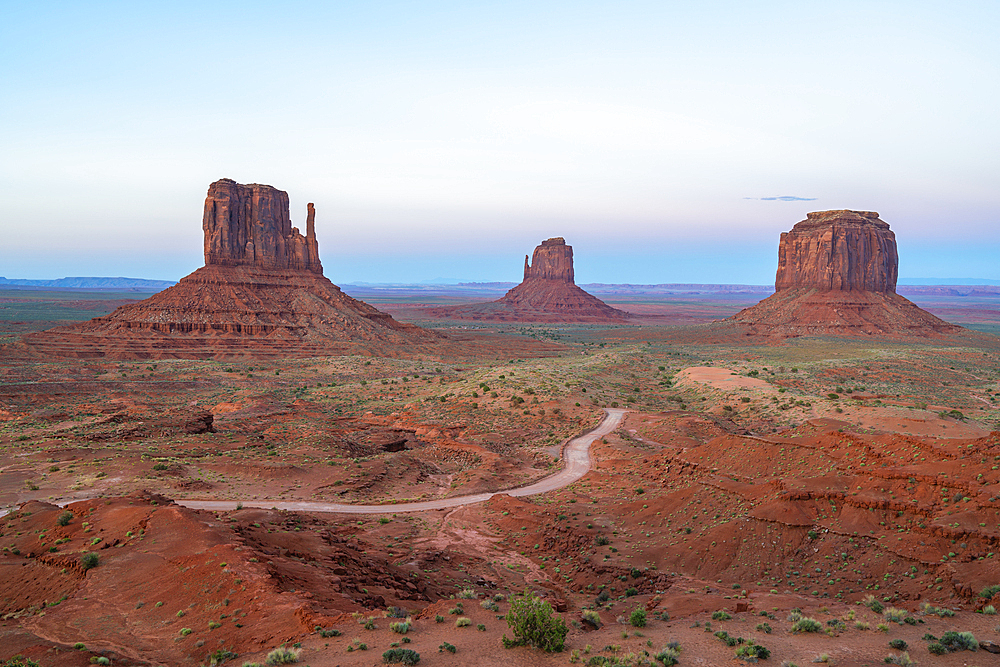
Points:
point(400, 628)
point(533, 624)
point(637, 619)
point(752, 652)
point(670, 654)
point(64, 518)
point(807, 625)
point(591, 617)
point(463, 622)
point(901, 659)
point(720, 615)
point(282, 656)
point(19, 661)
point(897, 644)
point(989, 591)
point(958, 641)
point(89, 561)
point(445, 646)
point(404, 655)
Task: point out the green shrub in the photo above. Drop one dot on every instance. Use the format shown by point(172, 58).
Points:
point(752, 652)
point(467, 594)
point(19, 661)
point(481, 627)
point(404, 655)
point(439, 619)
point(332, 632)
point(872, 603)
point(445, 646)
point(937, 649)
point(959, 641)
point(989, 610)
point(895, 615)
point(631, 591)
point(764, 627)
point(807, 625)
point(533, 624)
point(219, 656)
point(720, 615)
point(669, 655)
point(989, 591)
point(282, 656)
point(901, 659)
point(463, 622)
point(89, 560)
point(637, 619)
point(64, 518)
point(591, 617)
point(897, 644)
point(400, 628)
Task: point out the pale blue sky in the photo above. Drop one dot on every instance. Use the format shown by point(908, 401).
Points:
point(448, 139)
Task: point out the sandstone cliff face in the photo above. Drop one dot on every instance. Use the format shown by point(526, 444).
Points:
point(261, 294)
point(249, 225)
point(837, 276)
point(838, 250)
point(552, 260)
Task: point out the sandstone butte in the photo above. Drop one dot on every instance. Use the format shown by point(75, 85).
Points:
point(837, 276)
point(548, 293)
point(261, 294)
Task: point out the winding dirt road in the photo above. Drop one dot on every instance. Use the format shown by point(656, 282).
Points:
point(577, 463)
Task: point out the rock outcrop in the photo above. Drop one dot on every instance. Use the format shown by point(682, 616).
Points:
point(837, 276)
point(838, 250)
point(249, 225)
point(548, 293)
point(261, 294)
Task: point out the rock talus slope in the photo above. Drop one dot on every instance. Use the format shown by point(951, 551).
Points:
point(837, 275)
point(261, 293)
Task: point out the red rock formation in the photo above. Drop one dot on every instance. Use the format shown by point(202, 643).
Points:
point(260, 294)
point(837, 275)
point(547, 294)
point(249, 225)
point(838, 250)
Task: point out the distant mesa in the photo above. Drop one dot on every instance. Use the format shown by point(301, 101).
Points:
point(548, 293)
point(261, 294)
point(837, 276)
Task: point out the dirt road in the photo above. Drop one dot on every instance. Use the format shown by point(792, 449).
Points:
point(576, 457)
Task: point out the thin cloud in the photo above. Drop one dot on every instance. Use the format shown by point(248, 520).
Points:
point(784, 198)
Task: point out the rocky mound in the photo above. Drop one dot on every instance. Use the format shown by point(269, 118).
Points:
point(837, 275)
point(548, 293)
point(260, 294)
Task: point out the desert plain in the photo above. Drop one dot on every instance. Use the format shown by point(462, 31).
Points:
point(750, 484)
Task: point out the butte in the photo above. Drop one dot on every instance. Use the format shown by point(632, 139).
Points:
point(261, 294)
point(837, 276)
point(548, 293)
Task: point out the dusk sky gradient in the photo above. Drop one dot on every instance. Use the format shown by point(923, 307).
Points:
point(446, 140)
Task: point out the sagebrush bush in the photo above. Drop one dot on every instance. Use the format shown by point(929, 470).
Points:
point(533, 624)
point(959, 641)
point(401, 627)
point(282, 656)
point(752, 652)
point(467, 594)
point(637, 619)
point(90, 560)
point(670, 655)
point(720, 615)
point(591, 617)
point(807, 624)
point(64, 518)
point(405, 656)
point(463, 622)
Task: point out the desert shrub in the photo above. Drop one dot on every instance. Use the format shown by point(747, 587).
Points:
point(463, 622)
point(19, 661)
point(396, 612)
point(751, 652)
point(720, 615)
point(533, 624)
point(439, 619)
point(282, 656)
point(332, 632)
point(64, 518)
point(631, 591)
point(882, 627)
point(764, 627)
point(89, 560)
point(406, 656)
point(989, 591)
point(100, 660)
point(602, 540)
point(822, 657)
point(481, 627)
point(445, 646)
point(937, 649)
point(591, 617)
point(489, 604)
point(895, 615)
point(901, 659)
point(219, 656)
point(872, 603)
point(989, 610)
point(807, 624)
point(400, 628)
point(669, 655)
point(724, 637)
point(602, 597)
point(467, 594)
point(959, 641)
point(160, 466)
point(897, 644)
point(186, 631)
point(637, 619)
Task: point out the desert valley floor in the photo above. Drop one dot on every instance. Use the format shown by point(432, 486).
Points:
point(749, 487)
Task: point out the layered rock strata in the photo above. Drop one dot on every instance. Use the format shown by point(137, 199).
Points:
point(548, 293)
point(837, 275)
point(261, 294)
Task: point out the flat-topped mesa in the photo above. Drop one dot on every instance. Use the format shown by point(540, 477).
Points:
point(552, 260)
point(838, 251)
point(249, 225)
